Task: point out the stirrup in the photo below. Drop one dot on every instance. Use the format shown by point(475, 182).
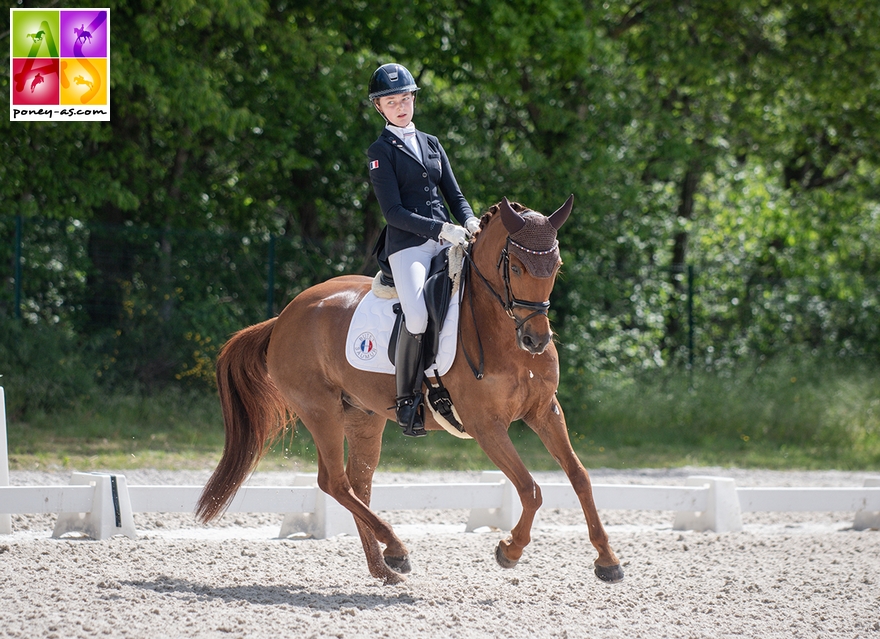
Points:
point(412, 424)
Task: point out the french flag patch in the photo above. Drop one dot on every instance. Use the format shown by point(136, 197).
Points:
point(374, 164)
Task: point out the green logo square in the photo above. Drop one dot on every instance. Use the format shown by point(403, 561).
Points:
point(35, 34)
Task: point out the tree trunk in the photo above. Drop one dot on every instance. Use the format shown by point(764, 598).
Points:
point(112, 265)
point(167, 309)
point(689, 187)
point(305, 216)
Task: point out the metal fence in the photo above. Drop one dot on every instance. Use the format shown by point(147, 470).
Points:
point(97, 276)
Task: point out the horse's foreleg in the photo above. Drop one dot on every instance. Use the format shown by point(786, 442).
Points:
point(364, 435)
point(553, 432)
point(495, 442)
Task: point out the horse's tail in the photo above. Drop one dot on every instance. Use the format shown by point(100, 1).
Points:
point(254, 415)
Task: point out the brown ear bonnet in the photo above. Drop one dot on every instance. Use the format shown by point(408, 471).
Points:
point(533, 236)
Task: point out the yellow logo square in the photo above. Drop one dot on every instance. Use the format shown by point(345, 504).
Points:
point(84, 81)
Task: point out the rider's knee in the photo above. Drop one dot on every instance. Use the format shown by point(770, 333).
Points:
point(417, 321)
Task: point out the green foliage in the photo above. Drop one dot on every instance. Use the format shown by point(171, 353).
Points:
point(780, 272)
point(816, 408)
point(736, 138)
point(42, 368)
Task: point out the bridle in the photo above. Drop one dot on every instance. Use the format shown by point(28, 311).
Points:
point(509, 302)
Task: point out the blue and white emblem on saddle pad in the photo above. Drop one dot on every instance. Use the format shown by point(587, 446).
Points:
point(369, 334)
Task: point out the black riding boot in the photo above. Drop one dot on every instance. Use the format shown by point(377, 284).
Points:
point(408, 375)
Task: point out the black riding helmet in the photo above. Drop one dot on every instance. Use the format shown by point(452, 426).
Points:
point(391, 79)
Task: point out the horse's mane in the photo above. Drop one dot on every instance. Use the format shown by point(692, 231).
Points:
point(495, 210)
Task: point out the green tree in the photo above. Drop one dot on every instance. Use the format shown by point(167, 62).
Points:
point(736, 136)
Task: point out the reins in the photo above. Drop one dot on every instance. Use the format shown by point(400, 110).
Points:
point(511, 303)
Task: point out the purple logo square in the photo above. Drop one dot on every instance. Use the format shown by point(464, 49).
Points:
point(84, 33)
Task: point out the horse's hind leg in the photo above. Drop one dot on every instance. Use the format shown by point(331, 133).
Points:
point(326, 428)
point(364, 435)
point(550, 427)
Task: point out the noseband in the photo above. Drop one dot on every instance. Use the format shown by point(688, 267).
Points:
point(509, 302)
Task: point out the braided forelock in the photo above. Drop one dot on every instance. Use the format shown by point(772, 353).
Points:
point(495, 209)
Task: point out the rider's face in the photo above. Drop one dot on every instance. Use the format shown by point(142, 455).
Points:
point(398, 109)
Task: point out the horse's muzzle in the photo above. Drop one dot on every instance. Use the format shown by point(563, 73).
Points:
point(534, 342)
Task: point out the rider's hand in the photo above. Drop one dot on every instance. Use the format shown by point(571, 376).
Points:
point(472, 225)
point(453, 234)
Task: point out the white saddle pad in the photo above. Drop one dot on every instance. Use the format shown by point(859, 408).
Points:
point(369, 334)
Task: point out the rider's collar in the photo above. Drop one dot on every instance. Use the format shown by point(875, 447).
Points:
point(401, 131)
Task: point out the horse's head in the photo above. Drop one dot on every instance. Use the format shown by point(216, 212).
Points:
point(527, 262)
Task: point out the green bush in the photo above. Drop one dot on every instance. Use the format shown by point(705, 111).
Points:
point(43, 368)
point(820, 404)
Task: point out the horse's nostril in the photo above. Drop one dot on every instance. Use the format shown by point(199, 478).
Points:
point(533, 345)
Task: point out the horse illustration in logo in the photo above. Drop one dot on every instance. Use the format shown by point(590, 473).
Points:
point(82, 35)
point(81, 80)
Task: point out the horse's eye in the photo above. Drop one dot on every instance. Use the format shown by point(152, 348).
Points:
point(516, 270)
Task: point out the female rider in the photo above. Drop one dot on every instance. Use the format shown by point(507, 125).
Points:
point(409, 171)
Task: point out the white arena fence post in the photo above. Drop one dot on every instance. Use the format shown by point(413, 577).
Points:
point(5, 519)
point(722, 511)
point(109, 513)
point(868, 517)
point(505, 515)
point(327, 520)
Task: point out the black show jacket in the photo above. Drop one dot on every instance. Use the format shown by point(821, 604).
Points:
point(408, 189)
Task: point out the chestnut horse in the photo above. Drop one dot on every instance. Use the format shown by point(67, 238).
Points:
point(506, 368)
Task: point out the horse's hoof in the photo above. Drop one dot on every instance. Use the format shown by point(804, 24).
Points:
point(503, 561)
point(399, 565)
point(609, 574)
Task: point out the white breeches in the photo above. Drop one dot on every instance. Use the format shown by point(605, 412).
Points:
point(410, 270)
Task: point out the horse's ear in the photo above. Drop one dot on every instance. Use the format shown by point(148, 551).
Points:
point(562, 213)
point(513, 221)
